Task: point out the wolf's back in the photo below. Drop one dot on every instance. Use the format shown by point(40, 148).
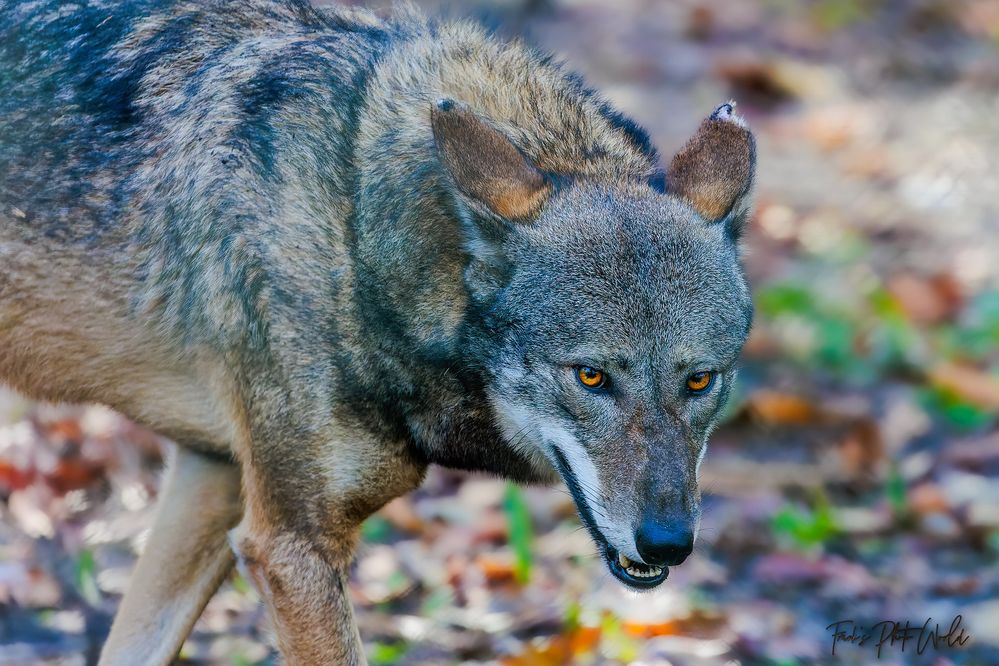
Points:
point(61, 115)
point(94, 92)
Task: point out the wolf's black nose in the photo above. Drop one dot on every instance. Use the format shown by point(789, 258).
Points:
point(664, 544)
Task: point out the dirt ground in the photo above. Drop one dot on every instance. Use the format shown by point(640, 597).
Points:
point(856, 478)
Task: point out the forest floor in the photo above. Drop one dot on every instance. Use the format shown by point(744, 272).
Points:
point(856, 477)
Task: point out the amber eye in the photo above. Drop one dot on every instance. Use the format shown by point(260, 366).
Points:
point(699, 382)
point(591, 378)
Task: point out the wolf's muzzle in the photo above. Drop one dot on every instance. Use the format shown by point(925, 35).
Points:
point(664, 543)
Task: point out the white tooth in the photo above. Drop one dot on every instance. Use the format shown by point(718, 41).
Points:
point(623, 561)
point(644, 572)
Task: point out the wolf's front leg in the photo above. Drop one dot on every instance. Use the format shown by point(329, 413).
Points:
point(304, 586)
point(304, 507)
point(182, 564)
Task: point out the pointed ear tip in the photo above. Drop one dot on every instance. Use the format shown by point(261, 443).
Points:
point(444, 108)
point(726, 112)
point(444, 104)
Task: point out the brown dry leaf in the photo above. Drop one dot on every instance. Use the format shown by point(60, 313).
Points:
point(497, 568)
point(867, 162)
point(778, 409)
point(491, 527)
point(829, 129)
point(957, 586)
point(927, 498)
point(13, 477)
point(555, 651)
point(585, 640)
point(558, 650)
point(701, 23)
point(767, 83)
point(862, 451)
point(73, 474)
point(454, 569)
point(640, 630)
point(980, 18)
point(926, 300)
point(400, 513)
point(968, 383)
point(755, 81)
point(64, 430)
point(697, 623)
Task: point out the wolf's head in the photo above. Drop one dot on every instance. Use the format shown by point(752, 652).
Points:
point(612, 314)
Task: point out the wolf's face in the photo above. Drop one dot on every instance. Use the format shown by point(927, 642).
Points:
point(613, 317)
point(623, 321)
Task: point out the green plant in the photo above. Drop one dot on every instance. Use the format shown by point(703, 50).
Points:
point(521, 532)
point(386, 654)
point(85, 577)
point(806, 528)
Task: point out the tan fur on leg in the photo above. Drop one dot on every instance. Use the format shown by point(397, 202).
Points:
point(185, 559)
point(297, 540)
point(305, 590)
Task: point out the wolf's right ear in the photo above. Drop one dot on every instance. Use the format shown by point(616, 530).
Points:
point(715, 171)
point(485, 165)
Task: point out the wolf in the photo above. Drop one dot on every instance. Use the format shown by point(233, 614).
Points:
point(322, 249)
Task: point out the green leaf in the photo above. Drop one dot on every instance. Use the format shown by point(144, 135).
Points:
point(570, 618)
point(963, 415)
point(439, 599)
point(895, 489)
point(992, 541)
point(521, 531)
point(241, 585)
point(85, 577)
point(376, 530)
point(806, 528)
point(838, 14)
point(616, 642)
point(241, 660)
point(386, 654)
point(778, 299)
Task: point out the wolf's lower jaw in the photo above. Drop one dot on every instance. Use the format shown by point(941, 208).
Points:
point(633, 574)
point(638, 569)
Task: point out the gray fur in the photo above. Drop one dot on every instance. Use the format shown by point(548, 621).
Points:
point(245, 212)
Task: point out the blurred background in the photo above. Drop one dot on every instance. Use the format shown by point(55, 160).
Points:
point(857, 475)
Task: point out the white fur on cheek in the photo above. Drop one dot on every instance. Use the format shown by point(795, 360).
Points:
point(517, 424)
point(531, 434)
point(619, 536)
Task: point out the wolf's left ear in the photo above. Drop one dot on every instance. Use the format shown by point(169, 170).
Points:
point(714, 172)
point(484, 163)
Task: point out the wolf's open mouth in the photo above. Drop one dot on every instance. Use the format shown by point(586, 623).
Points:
point(635, 575)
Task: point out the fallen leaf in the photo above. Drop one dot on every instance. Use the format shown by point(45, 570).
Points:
point(968, 383)
point(558, 650)
point(756, 82)
point(400, 513)
point(776, 409)
point(13, 477)
point(498, 569)
point(926, 300)
point(861, 451)
point(927, 498)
